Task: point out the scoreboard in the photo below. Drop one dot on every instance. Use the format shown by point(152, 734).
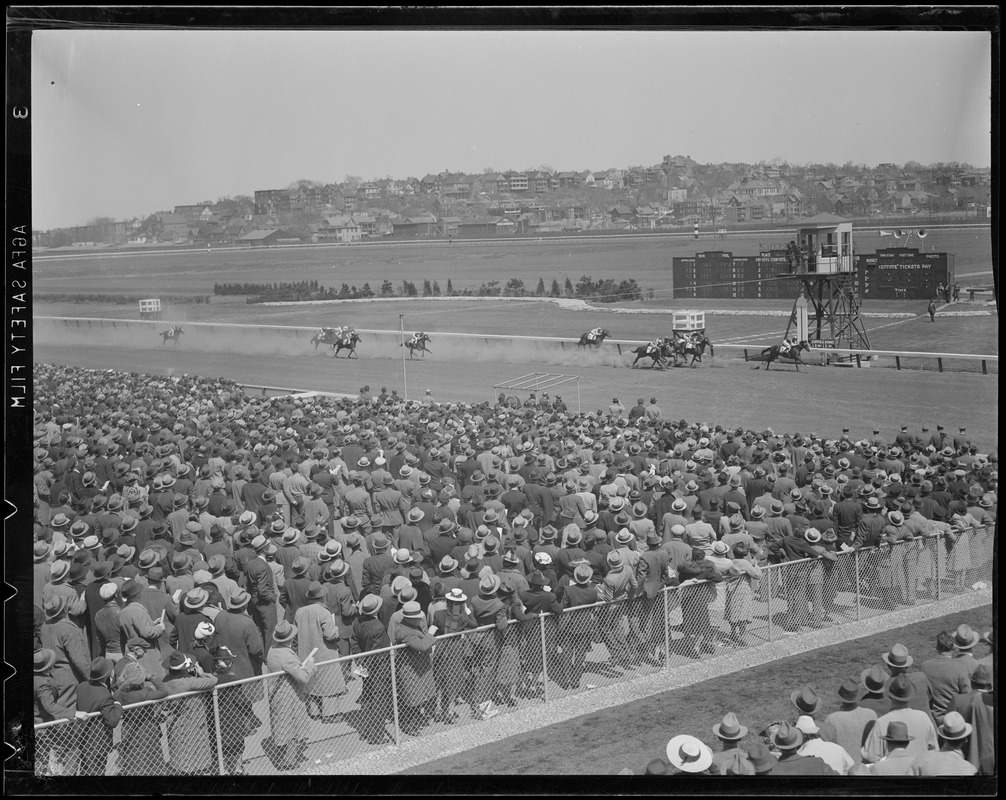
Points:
point(897, 273)
point(903, 273)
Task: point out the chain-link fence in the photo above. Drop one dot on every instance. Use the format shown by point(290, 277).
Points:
point(364, 702)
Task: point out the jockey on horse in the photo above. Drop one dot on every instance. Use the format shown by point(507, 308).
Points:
point(787, 345)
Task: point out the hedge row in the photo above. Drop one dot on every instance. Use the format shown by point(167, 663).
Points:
point(119, 299)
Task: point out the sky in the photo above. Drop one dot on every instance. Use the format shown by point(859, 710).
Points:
point(126, 123)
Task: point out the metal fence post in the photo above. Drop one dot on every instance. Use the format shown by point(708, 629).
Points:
point(216, 728)
point(667, 629)
point(939, 549)
point(770, 572)
point(394, 698)
point(544, 658)
point(855, 557)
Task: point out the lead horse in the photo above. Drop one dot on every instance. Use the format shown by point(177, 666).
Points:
point(418, 342)
point(775, 353)
point(173, 334)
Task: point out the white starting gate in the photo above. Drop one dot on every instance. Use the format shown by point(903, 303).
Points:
point(689, 321)
point(150, 309)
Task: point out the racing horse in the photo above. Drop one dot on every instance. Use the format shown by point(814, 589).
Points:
point(418, 341)
point(775, 353)
point(593, 338)
point(325, 336)
point(657, 350)
point(694, 347)
point(347, 341)
point(172, 334)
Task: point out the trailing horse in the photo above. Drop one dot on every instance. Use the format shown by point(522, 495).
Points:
point(593, 338)
point(418, 341)
point(657, 352)
point(171, 334)
point(347, 341)
point(775, 353)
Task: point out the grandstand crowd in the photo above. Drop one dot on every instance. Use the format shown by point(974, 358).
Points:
point(188, 535)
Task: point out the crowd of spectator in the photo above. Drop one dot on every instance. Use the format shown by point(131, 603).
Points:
point(188, 535)
point(893, 720)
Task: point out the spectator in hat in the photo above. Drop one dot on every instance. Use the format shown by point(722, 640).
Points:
point(651, 578)
point(898, 760)
point(899, 661)
point(107, 625)
point(730, 732)
point(698, 579)
point(380, 563)
point(94, 697)
point(260, 582)
point(977, 707)
point(851, 720)
point(965, 640)
point(318, 632)
point(417, 691)
point(834, 755)
point(689, 756)
point(68, 642)
point(237, 717)
point(580, 626)
point(375, 671)
point(948, 676)
point(452, 656)
point(487, 610)
point(236, 630)
point(51, 755)
point(204, 642)
point(788, 740)
point(761, 758)
point(191, 614)
point(874, 680)
point(190, 747)
point(954, 733)
point(900, 691)
point(538, 599)
point(287, 719)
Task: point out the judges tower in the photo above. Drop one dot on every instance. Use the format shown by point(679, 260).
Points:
point(826, 311)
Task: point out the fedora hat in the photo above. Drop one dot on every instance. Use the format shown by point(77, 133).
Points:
point(897, 731)
point(337, 569)
point(195, 598)
point(403, 556)
point(277, 527)
point(416, 514)
point(679, 506)
point(900, 689)
point(954, 727)
point(965, 638)
point(412, 610)
point(380, 543)
point(982, 676)
point(371, 604)
point(812, 535)
point(300, 565)
point(898, 657)
point(614, 558)
point(688, 754)
point(761, 758)
point(148, 559)
point(238, 600)
point(806, 700)
point(806, 725)
point(639, 510)
point(447, 565)
point(787, 737)
point(290, 536)
point(489, 585)
point(130, 589)
point(721, 548)
point(850, 691)
point(757, 512)
point(59, 520)
point(55, 606)
point(455, 595)
point(180, 561)
point(315, 591)
point(624, 536)
point(536, 578)
point(284, 632)
point(58, 570)
point(101, 570)
point(582, 574)
point(41, 551)
point(446, 525)
point(43, 659)
point(730, 729)
point(99, 669)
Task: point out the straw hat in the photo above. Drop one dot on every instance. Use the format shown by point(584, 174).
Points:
point(689, 754)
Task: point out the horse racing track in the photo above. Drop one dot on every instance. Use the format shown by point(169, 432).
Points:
point(722, 389)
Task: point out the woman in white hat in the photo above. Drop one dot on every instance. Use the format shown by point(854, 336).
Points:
point(451, 659)
point(287, 698)
point(689, 755)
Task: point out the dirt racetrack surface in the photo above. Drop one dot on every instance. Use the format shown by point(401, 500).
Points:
point(726, 390)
